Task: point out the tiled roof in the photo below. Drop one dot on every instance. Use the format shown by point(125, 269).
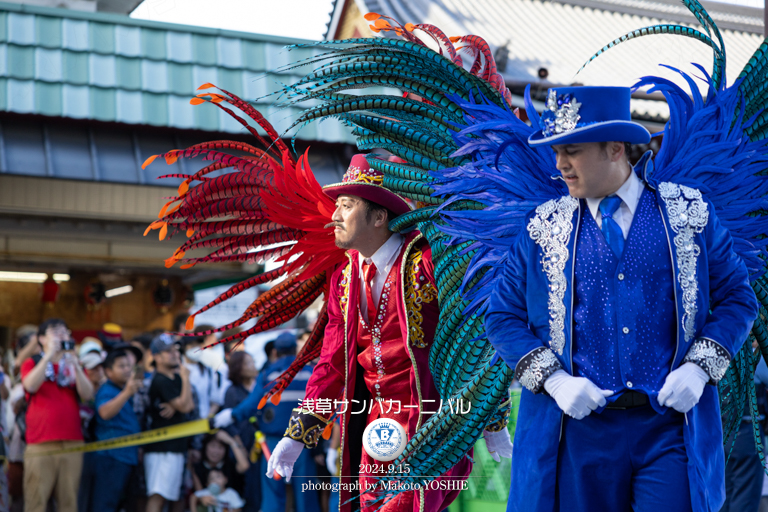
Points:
point(109, 67)
point(561, 35)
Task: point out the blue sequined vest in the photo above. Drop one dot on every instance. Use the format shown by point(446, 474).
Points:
point(624, 310)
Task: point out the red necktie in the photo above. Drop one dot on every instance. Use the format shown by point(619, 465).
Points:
point(369, 271)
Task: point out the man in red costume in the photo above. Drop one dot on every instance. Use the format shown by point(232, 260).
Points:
point(383, 311)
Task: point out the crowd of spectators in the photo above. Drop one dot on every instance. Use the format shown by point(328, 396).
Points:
point(59, 396)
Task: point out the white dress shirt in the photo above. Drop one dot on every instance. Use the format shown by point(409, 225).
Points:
point(384, 259)
point(629, 193)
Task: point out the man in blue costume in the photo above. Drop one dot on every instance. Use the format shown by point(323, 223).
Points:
point(620, 307)
point(272, 420)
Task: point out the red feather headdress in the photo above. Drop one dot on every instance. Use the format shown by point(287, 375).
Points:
point(268, 206)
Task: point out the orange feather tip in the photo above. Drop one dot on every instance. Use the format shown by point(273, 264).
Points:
point(148, 161)
point(276, 398)
point(190, 232)
point(196, 101)
point(190, 323)
point(382, 24)
point(372, 16)
point(454, 38)
point(206, 85)
point(374, 29)
point(262, 402)
point(186, 266)
point(327, 431)
point(170, 262)
point(163, 231)
point(410, 27)
point(171, 157)
point(156, 224)
point(164, 210)
point(183, 188)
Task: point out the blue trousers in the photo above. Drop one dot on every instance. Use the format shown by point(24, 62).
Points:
point(743, 473)
point(252, 488)
point(87, 478)
point(109, 484)
point(623, 460)
point(273, 491)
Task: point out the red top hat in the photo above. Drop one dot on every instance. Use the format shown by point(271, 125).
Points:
point(362, 181)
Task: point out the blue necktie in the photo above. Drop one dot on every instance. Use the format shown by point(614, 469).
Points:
point(611, 230)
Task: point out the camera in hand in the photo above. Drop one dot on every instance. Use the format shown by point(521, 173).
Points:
point(68, 345)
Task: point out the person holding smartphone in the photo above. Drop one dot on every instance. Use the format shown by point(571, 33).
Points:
point(170, 400)
point(53, 389)
point(115, 417)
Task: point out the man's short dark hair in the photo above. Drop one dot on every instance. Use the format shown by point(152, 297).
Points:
point(371, 207)
point(627, 147)
point(51, 322)
point(109, 362)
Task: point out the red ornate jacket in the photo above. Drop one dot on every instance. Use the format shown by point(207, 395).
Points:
point(334, 377)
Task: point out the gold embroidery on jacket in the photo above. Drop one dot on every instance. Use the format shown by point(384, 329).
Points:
point(306, 427)
point(418, 291)
point(344, 298)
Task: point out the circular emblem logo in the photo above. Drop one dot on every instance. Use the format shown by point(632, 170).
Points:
point(384, 439)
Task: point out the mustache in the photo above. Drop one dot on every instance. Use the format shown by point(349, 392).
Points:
point(335, 225)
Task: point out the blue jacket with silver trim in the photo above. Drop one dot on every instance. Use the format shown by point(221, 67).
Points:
point(529, 321)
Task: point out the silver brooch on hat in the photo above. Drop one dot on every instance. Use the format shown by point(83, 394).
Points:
point(561, 114)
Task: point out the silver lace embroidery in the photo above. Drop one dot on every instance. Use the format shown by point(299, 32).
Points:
point(710, 356)
point(561, 114)
point(688, 216)
point(541, 363)
point(551, 229)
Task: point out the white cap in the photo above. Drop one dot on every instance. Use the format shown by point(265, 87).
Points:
point(91, 360)
point(89, 344)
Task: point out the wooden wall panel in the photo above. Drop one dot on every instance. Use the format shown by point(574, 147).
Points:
point(136, 311)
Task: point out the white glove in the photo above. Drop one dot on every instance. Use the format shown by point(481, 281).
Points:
point(683, 387)
point(284, 457)
point(223, 419)
point(498, 444)
point(576, 396)
point(330, 461)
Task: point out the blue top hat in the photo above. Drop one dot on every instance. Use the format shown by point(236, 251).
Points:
point(588, 114)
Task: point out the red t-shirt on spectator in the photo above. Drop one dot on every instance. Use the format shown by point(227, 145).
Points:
point(52, 412)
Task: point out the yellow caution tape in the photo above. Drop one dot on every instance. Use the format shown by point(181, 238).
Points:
point(190, 428)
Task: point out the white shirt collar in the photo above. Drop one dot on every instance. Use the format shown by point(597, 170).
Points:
point(629, 192)
point(385, 256)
